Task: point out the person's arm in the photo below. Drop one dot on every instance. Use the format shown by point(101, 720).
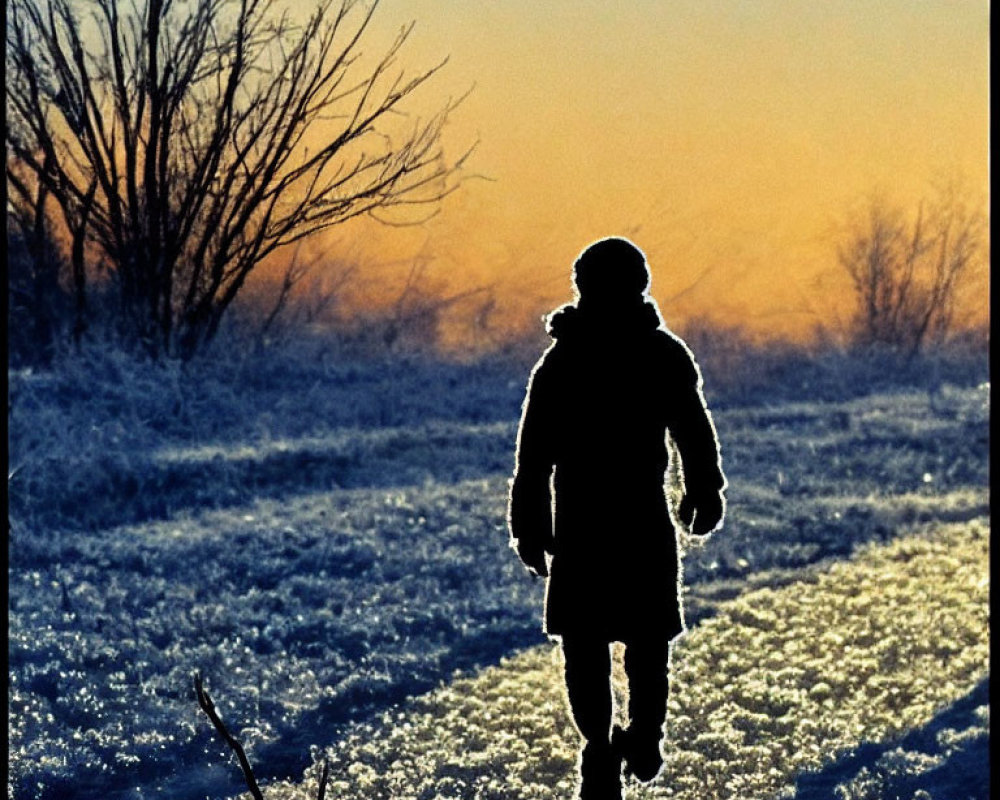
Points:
point(529, 515)
point(703, 505)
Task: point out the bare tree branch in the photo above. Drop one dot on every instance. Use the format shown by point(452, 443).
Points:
point(209, 708)
point(324, 776)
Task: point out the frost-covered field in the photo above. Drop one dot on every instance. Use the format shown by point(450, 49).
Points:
point(323, 553)
point(771, 692)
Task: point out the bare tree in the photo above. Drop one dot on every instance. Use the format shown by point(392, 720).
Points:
point(188, 140)
point(907, 273)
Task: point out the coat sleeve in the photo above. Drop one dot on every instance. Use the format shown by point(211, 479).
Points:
point(529, 514)
point(692, 430)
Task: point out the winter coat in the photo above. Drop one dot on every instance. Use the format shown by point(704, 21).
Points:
point(594, 427)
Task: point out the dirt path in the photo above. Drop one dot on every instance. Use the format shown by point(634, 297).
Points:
point(776, 683)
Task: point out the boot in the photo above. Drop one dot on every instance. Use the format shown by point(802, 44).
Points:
point(641, 753)
point(600, 773)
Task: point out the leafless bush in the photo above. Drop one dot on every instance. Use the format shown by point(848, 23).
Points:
point(907, 273)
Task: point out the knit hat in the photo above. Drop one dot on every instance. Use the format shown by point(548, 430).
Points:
point(611, 268)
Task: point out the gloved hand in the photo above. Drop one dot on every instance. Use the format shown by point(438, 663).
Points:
point(703, 510)
point(532, 555)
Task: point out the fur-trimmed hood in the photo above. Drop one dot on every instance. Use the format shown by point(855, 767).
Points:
point(587, 321)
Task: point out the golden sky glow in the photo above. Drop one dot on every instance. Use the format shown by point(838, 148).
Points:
point(728, 138)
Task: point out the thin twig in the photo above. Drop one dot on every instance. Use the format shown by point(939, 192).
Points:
point(209, 708)
point(322, 780)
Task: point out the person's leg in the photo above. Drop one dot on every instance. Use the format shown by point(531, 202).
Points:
point(646, 665)
point(647, 668)
point(588, 684)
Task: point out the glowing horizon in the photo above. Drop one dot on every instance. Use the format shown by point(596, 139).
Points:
point(728, 140)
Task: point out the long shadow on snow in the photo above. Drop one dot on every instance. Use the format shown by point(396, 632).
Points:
point(288, 757)
point(964, 772)
point(154, 488)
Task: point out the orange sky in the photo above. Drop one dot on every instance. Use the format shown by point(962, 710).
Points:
point(728, 138)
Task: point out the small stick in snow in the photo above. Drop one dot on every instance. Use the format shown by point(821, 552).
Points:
point(209, 708)
point(322, 780)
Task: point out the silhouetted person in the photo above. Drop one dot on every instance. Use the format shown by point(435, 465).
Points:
point(601, 402)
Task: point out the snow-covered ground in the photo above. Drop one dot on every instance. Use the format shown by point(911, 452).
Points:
point(324, 562)
point(831, 686)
